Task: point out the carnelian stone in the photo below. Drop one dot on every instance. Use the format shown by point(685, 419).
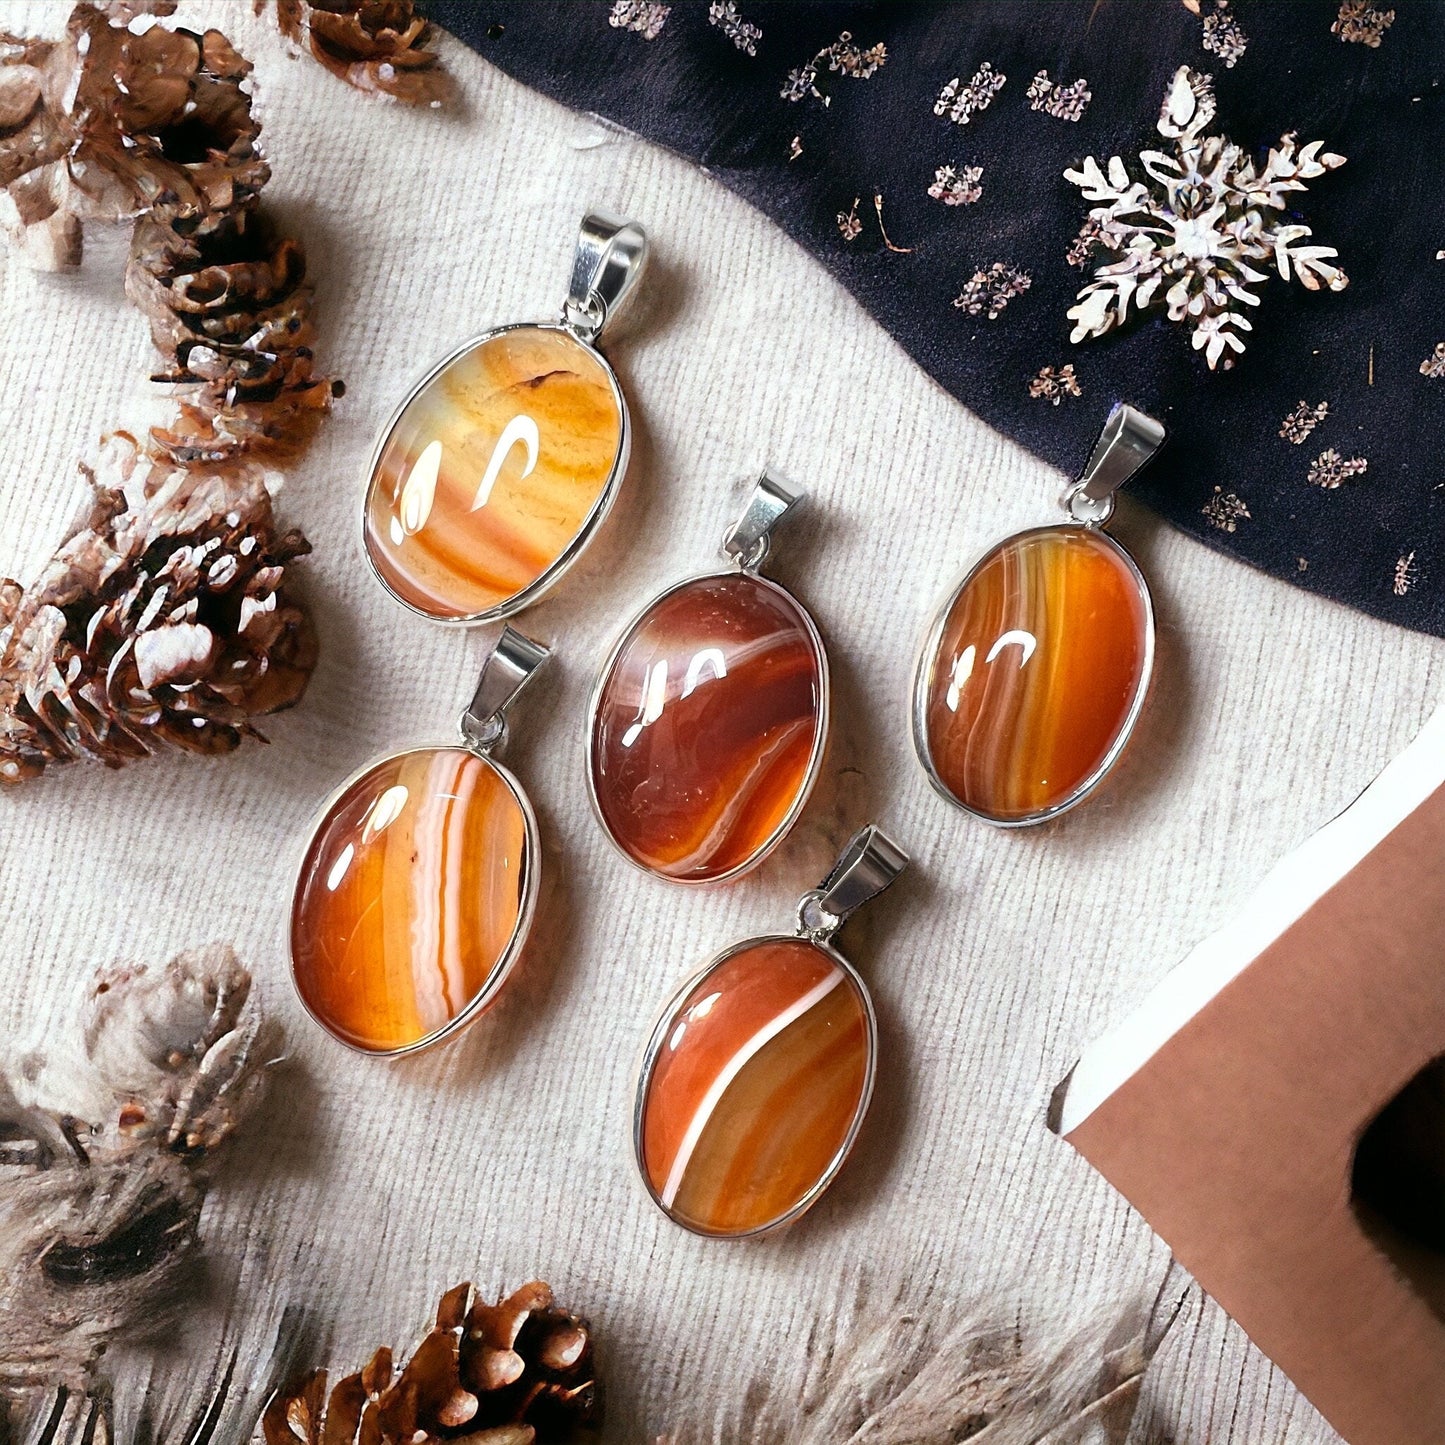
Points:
point(1038, 674)
point(758, 1081)
point(411, 898)
point(708, 724)
point(492, 472)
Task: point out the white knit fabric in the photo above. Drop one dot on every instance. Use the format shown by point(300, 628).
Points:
point(366, 1188)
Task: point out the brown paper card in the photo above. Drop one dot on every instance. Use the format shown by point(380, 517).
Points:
point(1228, 1108)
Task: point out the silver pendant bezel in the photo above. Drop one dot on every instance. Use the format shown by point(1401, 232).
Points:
point(815, 759)
point(593, 523)
point(928, 652)
point(506, 962)
point(666, 1020)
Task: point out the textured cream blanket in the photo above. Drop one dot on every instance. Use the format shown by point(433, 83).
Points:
point(366, 1188)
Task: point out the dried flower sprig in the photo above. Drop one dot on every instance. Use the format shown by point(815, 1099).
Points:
point(959, 103)
point(1222, 36)
point(105, 1172)
point(1082, 246)
point(723, 14)
point(1330, 470)
point(1063, 102)
point(378, 47)
point(643, 17)
point(1359, 22)
point(956, 187)
point(1054, 385)
point(1407, 574)
point(842, 57)
point(1298, 425)
point(1225, 510)
point(903, 1375)
point(1190, 238)
point(991, 289)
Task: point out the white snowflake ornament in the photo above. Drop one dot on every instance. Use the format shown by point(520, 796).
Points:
point(1194, 237)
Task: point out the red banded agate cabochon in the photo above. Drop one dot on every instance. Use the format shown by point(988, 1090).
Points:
point(492, 471)
point(411, 894)
point(760, 1081)
point(707, 725)
point(1038, 672)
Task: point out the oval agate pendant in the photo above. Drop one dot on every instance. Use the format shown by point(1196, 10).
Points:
point(417, 887)
point(501, 464)
point(710, 715)
point(1037, 666)
point(758, 1073)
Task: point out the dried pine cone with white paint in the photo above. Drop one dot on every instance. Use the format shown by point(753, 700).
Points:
point(103, 122)
point(230, 311)
point(519, 1372)
point(376, 46)
point(104, 1164)
point(165, 620)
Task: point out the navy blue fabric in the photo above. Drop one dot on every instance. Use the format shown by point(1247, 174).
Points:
point(1375, 542)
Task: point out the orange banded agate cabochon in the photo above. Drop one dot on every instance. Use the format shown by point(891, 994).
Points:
point(1038, 673)
point(410, 898)
point(492, 472)
point(707, 725)
point(760, 1078)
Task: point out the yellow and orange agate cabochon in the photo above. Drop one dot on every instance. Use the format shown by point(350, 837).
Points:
point(1037, 674)
point(757, 1082)
point(412, 898)
point(708, 723)
point(494, 472)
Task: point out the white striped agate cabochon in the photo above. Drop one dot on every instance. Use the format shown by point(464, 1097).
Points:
point(412, 898)
point(711, 718)
point(757, 1079)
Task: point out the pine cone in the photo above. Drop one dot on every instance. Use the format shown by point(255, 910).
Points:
point(164, 619)
point(377, 46)
point(101, 124)
point(104, 1169)
point(513, 1373)
point(230, 312)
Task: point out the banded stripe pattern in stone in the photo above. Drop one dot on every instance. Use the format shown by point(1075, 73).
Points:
point(411, 893)
point(708, 724)
point(760, 1077)
point(492, 471)
point(1038, 673)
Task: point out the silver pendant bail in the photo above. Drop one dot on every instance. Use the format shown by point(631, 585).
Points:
point(868, 865)
point(610, 257)
point(750, 539)
point(1129, 438)
point(505, 673)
